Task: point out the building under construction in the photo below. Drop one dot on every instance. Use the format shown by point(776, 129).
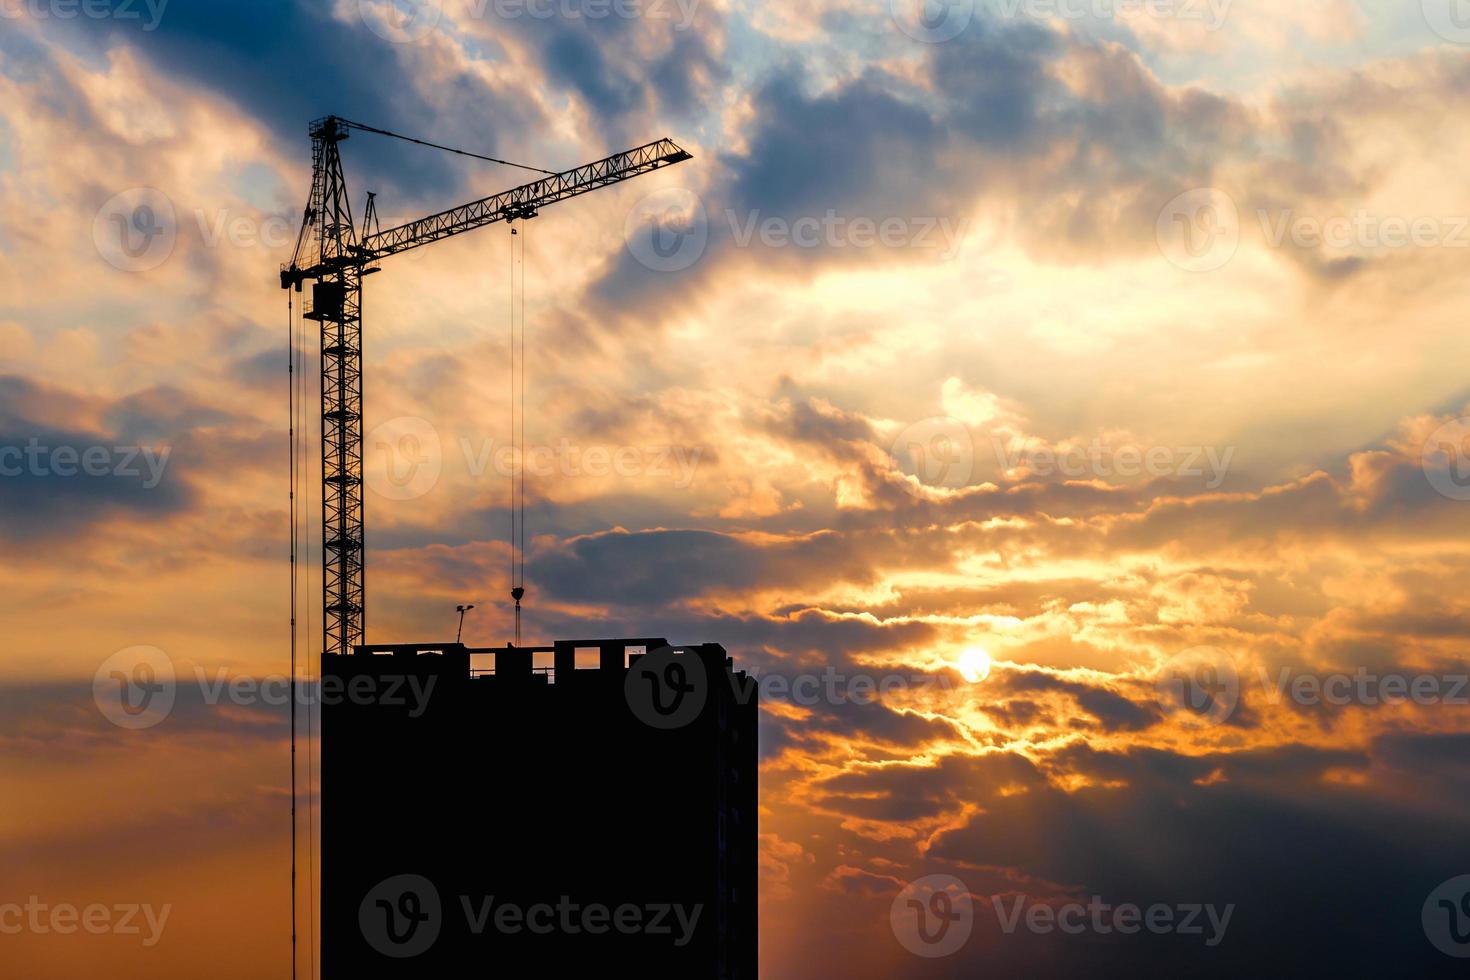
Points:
point(552, 811)
point(573, 809)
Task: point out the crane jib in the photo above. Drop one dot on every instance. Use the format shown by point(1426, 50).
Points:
point(524, 201)
point(517, 203)
point(335, 254)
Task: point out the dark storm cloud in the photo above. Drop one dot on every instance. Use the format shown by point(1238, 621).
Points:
point(654, 567)
point(160, 412)
point(846, 723)
point(877, 146)
point(908, 791)
point(61, 720)
point(872, 148)
point(1324, 875)
point(48, 487)
point(575, 58)
point(1446, 756)
point(995, 80)
point(1386, 493)
point(257, 52)
point(1113, 711)
point(625, 71)
point(847, 149)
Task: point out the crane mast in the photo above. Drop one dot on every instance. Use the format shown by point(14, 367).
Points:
point(332, 254)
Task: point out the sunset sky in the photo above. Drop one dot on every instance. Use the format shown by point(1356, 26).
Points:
point(1020, 358)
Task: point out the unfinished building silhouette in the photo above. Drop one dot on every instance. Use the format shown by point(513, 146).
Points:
point(585, 806)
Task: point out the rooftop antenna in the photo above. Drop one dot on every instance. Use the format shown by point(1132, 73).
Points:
point(461, 610)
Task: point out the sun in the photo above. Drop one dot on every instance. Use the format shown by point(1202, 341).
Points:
point(973, 665)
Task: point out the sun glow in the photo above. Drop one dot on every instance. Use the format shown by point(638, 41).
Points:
point(973, 665)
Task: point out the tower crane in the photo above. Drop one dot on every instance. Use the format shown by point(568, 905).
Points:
point(335, 255)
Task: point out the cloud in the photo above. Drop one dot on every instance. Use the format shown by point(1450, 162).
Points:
point(58, 481)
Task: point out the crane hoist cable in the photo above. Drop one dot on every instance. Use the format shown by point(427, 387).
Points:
point(291, 509)
point(304, 475)
point(300, 542)
point(517, 549)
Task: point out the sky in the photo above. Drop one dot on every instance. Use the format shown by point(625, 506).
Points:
point(1082, 376)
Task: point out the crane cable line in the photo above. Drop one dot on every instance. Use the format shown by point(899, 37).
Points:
point(517, 422)
point(522, 576)
point(291, 508)
point(303, 470)
point(300, 533)
point(447, 149)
